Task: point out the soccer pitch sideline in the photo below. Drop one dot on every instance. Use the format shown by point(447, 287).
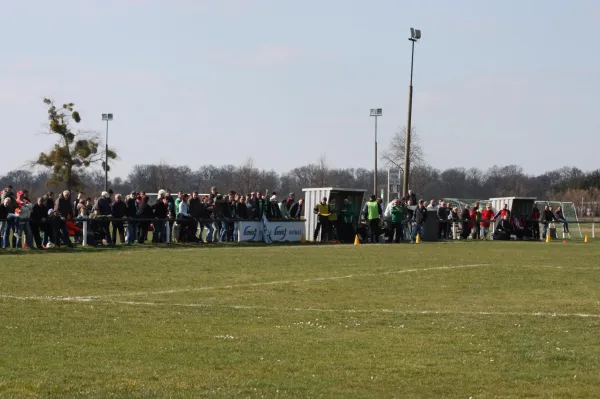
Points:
point(464, 320)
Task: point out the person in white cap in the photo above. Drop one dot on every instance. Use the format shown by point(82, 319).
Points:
point(273, 211)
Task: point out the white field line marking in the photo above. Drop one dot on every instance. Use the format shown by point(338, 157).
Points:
point(250, 307)
point(566, 268)
point(49, 298)
point(230, 286)
point(266, 283)
point(391, 311)
point(307, 280)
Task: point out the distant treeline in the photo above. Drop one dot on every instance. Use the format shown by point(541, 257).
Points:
point(567, 184)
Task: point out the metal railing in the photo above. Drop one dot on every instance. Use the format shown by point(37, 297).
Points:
point(457, 223)
point(168, 233)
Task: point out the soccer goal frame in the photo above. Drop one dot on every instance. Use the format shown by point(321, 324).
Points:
point(569, 210)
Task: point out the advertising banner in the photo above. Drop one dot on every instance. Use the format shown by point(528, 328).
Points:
point(286, 231)
point(250, 231)
point(279, 231)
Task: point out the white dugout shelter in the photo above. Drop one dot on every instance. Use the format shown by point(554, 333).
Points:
point(334, 195)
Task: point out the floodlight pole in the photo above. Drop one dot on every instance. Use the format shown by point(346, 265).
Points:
point(375, 169)
point(106, 159)
point(409, 122)
point(107, 118)
point(375, 112)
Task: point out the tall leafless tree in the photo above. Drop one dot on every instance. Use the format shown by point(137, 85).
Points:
point(393, 156)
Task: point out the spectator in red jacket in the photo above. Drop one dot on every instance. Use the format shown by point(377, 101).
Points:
point(474, 214)
point(486, 216)
point(503, 212)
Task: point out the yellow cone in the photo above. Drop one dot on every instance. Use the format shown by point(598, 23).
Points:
point(356, 240)
point(302, 238)
point(586, 239)
point(418, 240)
point(548, 237)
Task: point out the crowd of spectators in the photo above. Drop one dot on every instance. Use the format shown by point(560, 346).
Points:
point(476, 222)
point(58, 221)
point(404, 218)
point(51, 220)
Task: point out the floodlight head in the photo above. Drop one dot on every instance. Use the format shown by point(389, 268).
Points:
point(107, 117)
point(415, 34)
point(376, 112)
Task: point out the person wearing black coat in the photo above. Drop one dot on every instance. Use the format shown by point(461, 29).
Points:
point(466, 217)
point(220, 212)
point(196, 207)
point(296, 209)
point(63, 205)
point(103, 212)
point(3, 215)
point(3, 211)
point(444, 227)
point(419, 219)
point(232, 214)
point(241, 211)
point(62, 211)
point(161, 211)
point(48, 203)
point(38, 222)
point(145, 212)
point(49, 200)
point(131, 206)
point(118, 210)
point(504, 229)
point(251, 207)
point(547, 218)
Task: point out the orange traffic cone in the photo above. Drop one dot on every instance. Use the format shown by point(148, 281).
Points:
point(586, 239)
point(418, 240)
point(548, 237)
point(302, 239)
point(356, 240)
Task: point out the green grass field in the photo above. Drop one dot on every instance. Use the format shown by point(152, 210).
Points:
point(462, 319)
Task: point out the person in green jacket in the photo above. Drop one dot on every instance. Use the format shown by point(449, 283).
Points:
point(347, 226)
point(177, 202)
point(373, 216)
point(398, 212)
point(333, 222)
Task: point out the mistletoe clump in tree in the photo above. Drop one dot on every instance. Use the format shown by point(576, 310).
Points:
point(73, 152)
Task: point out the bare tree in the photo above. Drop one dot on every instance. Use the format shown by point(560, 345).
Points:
point(321, 172)
point(247, 177)
point(393, 156)
point(269, 180)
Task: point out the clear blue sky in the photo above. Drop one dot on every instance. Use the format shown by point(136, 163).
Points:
point(285, 81)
